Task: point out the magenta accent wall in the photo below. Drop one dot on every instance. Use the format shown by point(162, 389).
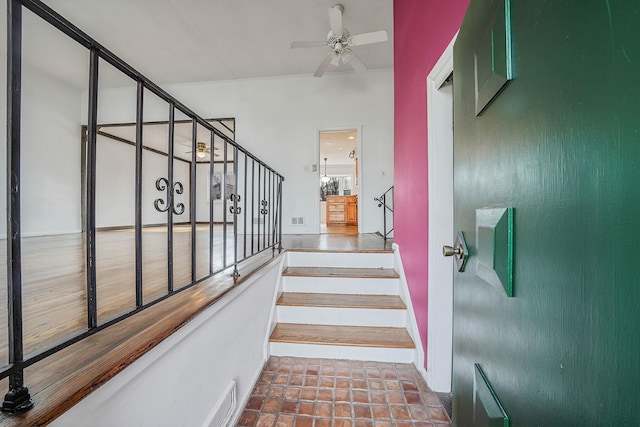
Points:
point(422, 30)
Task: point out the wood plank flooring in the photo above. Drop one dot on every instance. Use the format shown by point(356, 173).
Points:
point(303, 299)
point(365, 273)
point(357, 336)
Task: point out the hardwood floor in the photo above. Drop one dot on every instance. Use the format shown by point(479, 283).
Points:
point(54, 278)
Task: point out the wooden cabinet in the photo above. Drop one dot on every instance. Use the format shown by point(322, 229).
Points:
point(352, 210)
point(342, 210)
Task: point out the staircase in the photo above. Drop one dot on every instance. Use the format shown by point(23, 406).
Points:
point(341, 305)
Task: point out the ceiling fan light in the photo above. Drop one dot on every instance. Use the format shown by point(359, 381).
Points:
point(201, 154)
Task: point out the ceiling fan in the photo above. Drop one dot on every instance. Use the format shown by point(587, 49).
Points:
point(340, 43)
point(203, 150)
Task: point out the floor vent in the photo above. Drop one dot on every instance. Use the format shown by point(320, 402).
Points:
point(223, 411)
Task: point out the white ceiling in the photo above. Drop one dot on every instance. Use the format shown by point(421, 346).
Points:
point(173, 41)
point(336, 146)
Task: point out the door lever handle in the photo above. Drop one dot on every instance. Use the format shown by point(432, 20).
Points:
point(458, 251)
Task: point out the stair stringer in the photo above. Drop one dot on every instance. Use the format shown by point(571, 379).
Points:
point(273, 316)
point(411, 324)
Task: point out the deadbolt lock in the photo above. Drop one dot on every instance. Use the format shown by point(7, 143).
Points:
point(458, 251)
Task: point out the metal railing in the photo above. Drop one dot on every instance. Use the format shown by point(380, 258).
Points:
point(257, 194)
point(386, 202)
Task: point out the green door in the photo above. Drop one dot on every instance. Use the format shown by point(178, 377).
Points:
point(560, 144)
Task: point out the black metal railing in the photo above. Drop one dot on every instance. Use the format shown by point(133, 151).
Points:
point(254, 207)
point(385, 201)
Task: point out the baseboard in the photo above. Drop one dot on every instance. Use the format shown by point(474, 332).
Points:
point(242, 400)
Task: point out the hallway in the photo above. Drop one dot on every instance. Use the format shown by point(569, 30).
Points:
point(299, 392)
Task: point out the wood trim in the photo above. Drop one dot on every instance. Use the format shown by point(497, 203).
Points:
point(302, 299)
point(356, 336)
point(366, 273)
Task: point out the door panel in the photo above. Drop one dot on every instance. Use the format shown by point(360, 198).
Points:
point(561, 145)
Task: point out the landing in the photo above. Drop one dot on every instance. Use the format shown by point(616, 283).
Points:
point(337, 242)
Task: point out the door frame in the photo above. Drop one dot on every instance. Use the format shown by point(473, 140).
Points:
point(358, 176)
point(440, 274)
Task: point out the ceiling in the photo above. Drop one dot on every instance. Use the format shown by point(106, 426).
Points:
point(174, 41)
point(336, 147)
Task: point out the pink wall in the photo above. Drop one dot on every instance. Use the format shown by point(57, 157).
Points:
point(422, 30)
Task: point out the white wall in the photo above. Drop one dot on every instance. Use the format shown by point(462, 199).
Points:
point(51, 154)
point(278, 120)
point(179, 382)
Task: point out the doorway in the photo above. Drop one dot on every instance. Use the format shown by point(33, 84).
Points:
point(440, 279)
point(338, 181)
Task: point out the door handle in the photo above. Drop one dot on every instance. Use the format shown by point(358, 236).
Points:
point(458, 251)
point(451, 251)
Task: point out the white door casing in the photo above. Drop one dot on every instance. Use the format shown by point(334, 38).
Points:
point(440, 276)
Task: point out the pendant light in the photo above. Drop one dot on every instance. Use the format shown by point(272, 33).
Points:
point(325, 178)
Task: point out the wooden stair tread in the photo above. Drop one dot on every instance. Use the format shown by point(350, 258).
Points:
point(366, 273)
point(301, 299)
point(357, 336)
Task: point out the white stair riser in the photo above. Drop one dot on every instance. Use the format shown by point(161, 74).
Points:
point(343, 285)
point(335, 259)
point(342, 316)
point(375, 354)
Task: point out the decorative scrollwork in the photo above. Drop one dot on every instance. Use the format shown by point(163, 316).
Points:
point(179, 189)
point(236, 199)
point(264, 210)
point(162, 184)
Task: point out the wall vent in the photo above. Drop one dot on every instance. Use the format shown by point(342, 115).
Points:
point(297, 220)
point(224, 408)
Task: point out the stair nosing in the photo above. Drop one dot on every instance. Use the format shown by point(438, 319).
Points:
point(342, 272)
point(372, 344)
point(351, 305)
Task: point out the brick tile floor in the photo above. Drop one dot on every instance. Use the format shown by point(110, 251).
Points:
point(297, 392)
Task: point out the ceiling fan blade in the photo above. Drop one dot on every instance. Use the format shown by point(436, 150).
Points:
point(335, 19)
point(296, 45)
point(356, 63)
point(368, 38)
point(323, 65)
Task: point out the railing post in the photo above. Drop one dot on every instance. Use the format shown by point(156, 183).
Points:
point(211, 202)
point(18, 398)
point(224, 206)
point(192, 194)
point(138, 192)
point(170, 197)
point(384, 215)
point(280, 215)
point(235, 201)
